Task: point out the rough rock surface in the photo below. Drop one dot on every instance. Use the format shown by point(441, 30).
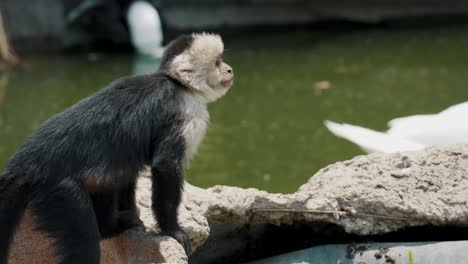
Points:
point(373, 194)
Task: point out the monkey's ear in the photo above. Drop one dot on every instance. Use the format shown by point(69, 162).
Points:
point(185, 73)
point(183, 70)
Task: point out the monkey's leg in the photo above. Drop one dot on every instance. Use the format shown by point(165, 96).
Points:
point(167, 191)
point(127, 209)
point(105, 208)
point(127, 198)
point(111, 221)
point(66, 213)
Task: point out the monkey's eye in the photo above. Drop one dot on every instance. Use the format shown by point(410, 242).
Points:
point(218, 62)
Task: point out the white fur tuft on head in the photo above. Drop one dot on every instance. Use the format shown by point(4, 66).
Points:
point(207, 47)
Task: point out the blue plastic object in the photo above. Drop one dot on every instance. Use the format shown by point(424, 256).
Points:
point(453, 252)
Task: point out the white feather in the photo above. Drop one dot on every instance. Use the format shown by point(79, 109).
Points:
point(145, 28)
point(410, 133)
point(370, 140)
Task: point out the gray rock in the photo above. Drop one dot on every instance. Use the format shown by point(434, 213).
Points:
point(206, 14)
point(34, 25)
point(368, 195)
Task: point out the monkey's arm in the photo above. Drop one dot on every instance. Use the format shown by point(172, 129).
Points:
point(168, 180)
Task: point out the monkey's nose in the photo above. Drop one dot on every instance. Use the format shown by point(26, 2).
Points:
point(229, 70)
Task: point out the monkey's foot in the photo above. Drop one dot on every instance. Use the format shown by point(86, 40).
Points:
point(182, 238)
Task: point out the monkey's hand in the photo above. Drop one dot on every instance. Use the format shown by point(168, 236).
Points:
point(182, 238)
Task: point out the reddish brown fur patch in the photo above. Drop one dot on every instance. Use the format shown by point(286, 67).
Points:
point(90, 184)
point(34, 247)
point(29, 245)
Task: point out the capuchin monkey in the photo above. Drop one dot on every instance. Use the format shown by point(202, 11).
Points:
point(77, 172)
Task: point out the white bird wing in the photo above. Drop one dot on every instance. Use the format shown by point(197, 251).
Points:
point(406, 127)
point(457, 110)
point(439, 132)
point(371, 140)
point(446, 127)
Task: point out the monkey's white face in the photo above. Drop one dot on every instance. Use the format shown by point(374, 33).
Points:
point(201, 67)
point(221, 76)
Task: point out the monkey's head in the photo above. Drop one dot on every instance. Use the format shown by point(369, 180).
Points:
point(196, 61)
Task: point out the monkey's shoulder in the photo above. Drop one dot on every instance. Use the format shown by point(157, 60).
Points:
point(150, 83)
point(155, 89)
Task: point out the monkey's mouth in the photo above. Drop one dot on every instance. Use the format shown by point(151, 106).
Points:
point(227, 83)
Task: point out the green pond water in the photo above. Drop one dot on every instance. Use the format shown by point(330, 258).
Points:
point(268, 132)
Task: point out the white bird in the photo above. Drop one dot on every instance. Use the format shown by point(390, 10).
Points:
point(410, 133)
point(145, 28)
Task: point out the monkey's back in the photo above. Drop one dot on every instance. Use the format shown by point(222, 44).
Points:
point(110, 133)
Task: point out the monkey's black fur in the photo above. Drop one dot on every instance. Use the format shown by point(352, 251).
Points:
point(77, 171)
point(178, 46)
